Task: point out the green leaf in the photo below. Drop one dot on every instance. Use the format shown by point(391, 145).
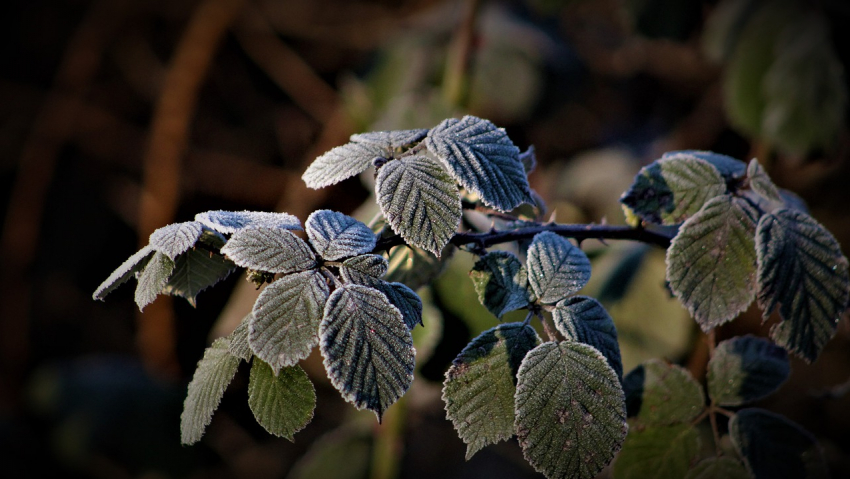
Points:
point(416, 267)
point(342, 163)
point(482, 159)
point(286, 318)
point(802, 271)
point(570, 410)
point(480, 385)
point(501, 282)
point(274, 250)
point(368, 349)
point(719, 468)
point(760, 182)
point(583, 319)
point(361, 268)
point(673, 189)
point(214, 373)
point(123, 273)
point(336, 236)
point(282, 403)
point(420, 201)
point(745, 369)
point(774, 447)
point(390, 140)
point(805, 89)
point(228, 222)
point(153, 279)
point(752, 57)
point(195, 271)
point(175, 239)
point(729, 168)
point(661, 394)
point(661, 452)
point(239, 346)
point(711, 263)
point(556, 268)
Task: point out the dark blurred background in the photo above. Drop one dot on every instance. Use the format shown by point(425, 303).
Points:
point(120, 116)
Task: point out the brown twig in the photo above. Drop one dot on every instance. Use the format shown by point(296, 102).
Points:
point(168, 143)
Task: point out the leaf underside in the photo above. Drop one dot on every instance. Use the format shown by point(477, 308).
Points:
point(195, 271)
point(175, 239)
point(282, 403)
point(673, 189)
point(480, 385)
point(571, 383)
point(583, 319)
point(482, 159)
point(123, 273)
point(711, 263)
point(661, 394)
point(153, 279)
point(214, 373)
point(286, 319)
point(501, 282)
point(744, 369)
point(274, 250)
point(774, 447)
point(335, 235)
point(229, 222)
point(802, 271)
point(368, 349)
point(420, 201)
point(556, 268)
point(728, 167)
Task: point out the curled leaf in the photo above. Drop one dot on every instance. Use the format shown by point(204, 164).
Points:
point(123, 273)
point(228, 222)
point(175, 239)
point(336, 236)
point(501, 282)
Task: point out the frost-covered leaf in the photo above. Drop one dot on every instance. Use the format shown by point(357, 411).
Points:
point(728, 167)
point(342, 163)
point(661, 394)
point(175, 239)
point(482, 159)
point(123, 273)
point(673, 189)
point(360, 268)
point(274, 250)
point(556, 268)
point(802, 271)
point(711, 263)
point(214, 373)
point(195, 271)
point(368, 349)
point(583, 319)
point(744, 369)
point(239, 346)
point(399, 295)
point(282, 403)
point(390, 140)
point(723, 467)
point(480, 385)
point(153, 279)
point(805, 89)
point(286, 318)
point(760, 182)
point(528, 158)
point(774, 447)
point(228, 222)
point(501, 282)
point(420, 201)
point(336, 236)
point(570, 410)
point(661, 452)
